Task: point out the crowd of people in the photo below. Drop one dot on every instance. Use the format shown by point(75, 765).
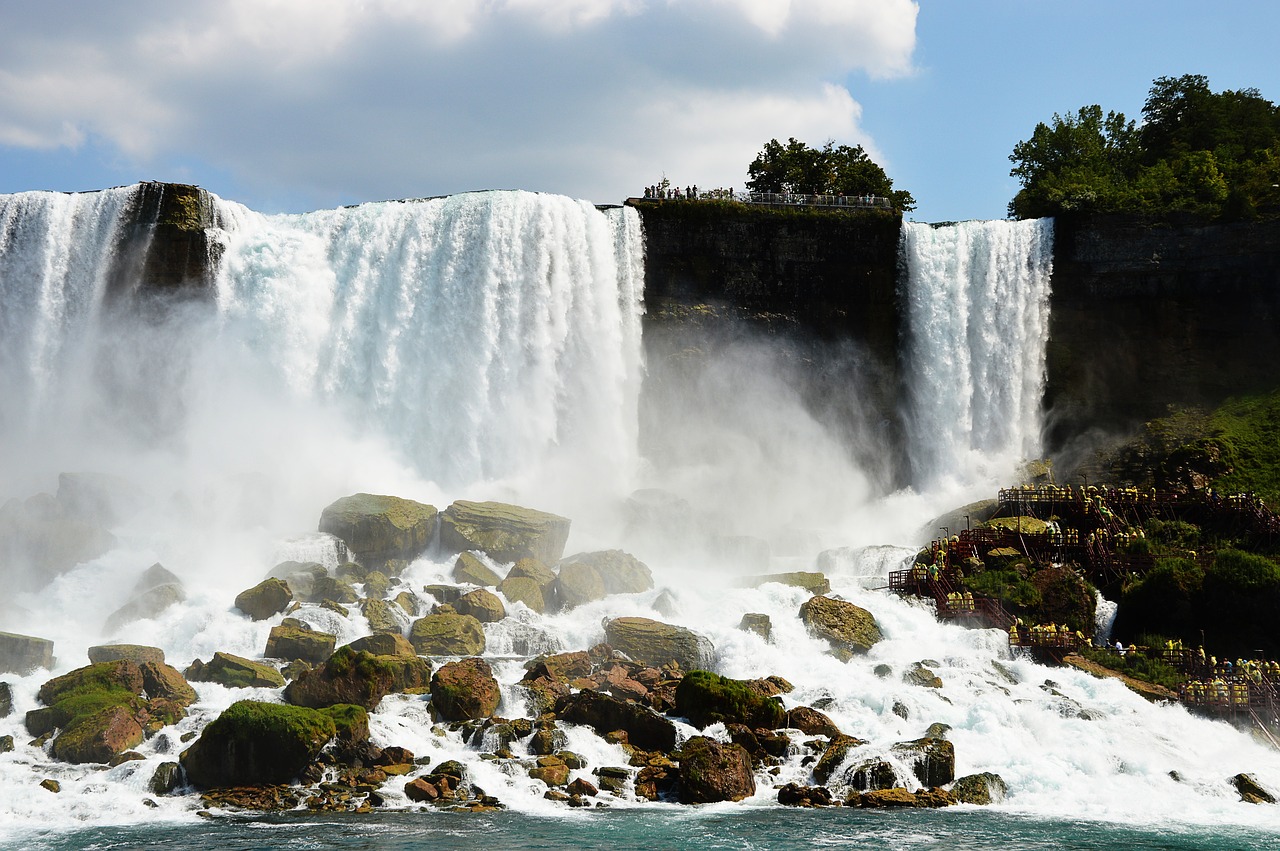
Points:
point(1045, 635)
point(665, 192)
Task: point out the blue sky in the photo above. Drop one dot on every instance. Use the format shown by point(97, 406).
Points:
point(290, 105)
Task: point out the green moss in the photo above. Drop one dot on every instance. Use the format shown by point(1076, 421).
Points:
point(1007, 586)
point(249, 718)
point(705, 698)
point(350, 721)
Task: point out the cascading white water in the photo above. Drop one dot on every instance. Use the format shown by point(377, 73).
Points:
point(977, 312)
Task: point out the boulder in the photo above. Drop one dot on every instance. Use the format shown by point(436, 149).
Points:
point(381, 617)
point(6, 744)
point(39, 535)
point(482, 605)
point(531, 568)
point(98, 736)
point(795, 795)
point(269, 597)
point(22, 654)
point(622, 573)
point(380, 528)
point(578, 583)
point(136, 653)
point(470, 569)
point(357, 678)
point(301, 577)
point(98, 498)
point(655, 643)
point(331, 589)
point(234, 672)
point(919, 675)
point(849, 629)
point(833, 756)
point(712, 772)
point(166, 779)
point(6, 700)
point(447, 635)
point(932, 760)
point(758, 623)
point(408, 603)
point(810, 721)
point(521, 589)
point(376, 585)
point(148, 604)
point(1250, 790)
point(383, 644)
point(253, 744)
point(504, 532)
point(299, 643)
point(155, 576)
point(604, 713)
point(163, 682)
point(550, 770)
point(981, 789)
point(894, 798)
point(561, 667)
point(705, 698)
point(465, 691)
point(814, 583)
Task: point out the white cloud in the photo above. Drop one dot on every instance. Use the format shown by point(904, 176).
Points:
point(330, 101)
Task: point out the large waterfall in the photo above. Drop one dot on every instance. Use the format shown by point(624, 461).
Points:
point(487, 346)
point(977, 313)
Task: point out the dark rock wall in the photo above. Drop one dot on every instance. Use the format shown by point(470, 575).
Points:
point(167, 250)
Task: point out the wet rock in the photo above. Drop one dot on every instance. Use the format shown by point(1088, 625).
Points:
point(605, 713)
point(578, 583)
point(883, 671)
point(981, 789)
point(833, 756)
point(621, 572)
point(383, 644)
point(933, 761)
point(136, 653)
point(166, 779)
point(1250, 790)
point(561, 667)
point(795, 795)
point(519, 589)
point(447, 635)
point(705, 698)
point(550, 770)
point(408, 603)
point(531, 568)
point(331, 589)
point(849, 629)
point(255, 744)
point(712, 772)
point(376, 585)
point(465, 690)
point(162, 682)
point(656, 782)
point(6, 700)
point(919, 675)
point(482, 605)
point(358, 678)
point(757, 623)
point(51, 785)
point(379, 528)
point(6, 744)
point(666, 604)
point(149, 603)
point(421, 791)
point(301, 577)
point(613, 779)
point(506, 533)
point(470, 569)
point(269, 597)
point(896, 797)
point(655, 643)
point(770, 686)
point(234, 672)
point(300, 644)
point(380, 616)
point(21, 654)
point(813, 582)
point(810, 721)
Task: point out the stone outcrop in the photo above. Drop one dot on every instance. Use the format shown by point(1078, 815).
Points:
point(712, 772)
point(981, 789)
point(383, 644)
point(380, 528)
point(301, 577)
point(657, 644)
point(465, 691)
point(504, 532)
point(932, 760)
point(705, 698)
point(578, 583)
point(358, 678)
point(234, 672)
point(604, 713)
point(269, 597)
point(849, 629)
point(40, 539)
point(156, 590)
point(447, 635)
point(620, 572)
point(470, 569)
point(482, 605)
point(299, 643)
point(21, 654)
point(136, 653)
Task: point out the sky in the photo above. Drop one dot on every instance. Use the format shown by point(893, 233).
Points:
point(295, 105)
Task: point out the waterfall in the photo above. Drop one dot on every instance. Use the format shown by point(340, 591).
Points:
point(481, 337)
point(977, 313)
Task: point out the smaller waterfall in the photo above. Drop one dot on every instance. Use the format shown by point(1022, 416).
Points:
point(977, 314)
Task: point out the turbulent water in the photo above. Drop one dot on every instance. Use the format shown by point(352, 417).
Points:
point(487, 346)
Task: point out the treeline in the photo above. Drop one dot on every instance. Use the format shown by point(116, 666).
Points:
point(1196, 151)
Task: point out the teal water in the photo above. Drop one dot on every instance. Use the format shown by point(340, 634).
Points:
point(655, 829)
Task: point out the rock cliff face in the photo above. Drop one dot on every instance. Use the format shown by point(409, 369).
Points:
point(1150, 314)
point(168, 249)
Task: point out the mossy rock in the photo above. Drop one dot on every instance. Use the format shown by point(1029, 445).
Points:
point(146, 605)
point(379, 528)
point(981, 789)
point(655, 643)
point(447, 635)
point(758, 623)
point(711, 772)
point(578, 583)
point(482, 605)
point(470, 569)
point(293, 643)
point(301, 577)
point(849, 629)
point(531, 568)
point(136, 653)
point(621, 572)
point(381, 617)
point(234, 672)
point(22, 654)
point(504, 532)
point(1025, 525)
point(269, 597)
point(811, 581)
point(376, 585)
point(705, 698)
point(521, 589)
point(255, 744)
point(357, 677)
point(383, 644)
point(833, 756)
point(331, 589)
point(465, 691)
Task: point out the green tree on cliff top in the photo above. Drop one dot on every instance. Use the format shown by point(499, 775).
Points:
point(1215, 154)
point(830, 170)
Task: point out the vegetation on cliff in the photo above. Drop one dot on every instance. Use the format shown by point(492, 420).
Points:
point(1196, 151)
point(830, 170)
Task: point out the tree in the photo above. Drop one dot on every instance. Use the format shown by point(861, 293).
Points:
point(1078, 162)
point(829, 170)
